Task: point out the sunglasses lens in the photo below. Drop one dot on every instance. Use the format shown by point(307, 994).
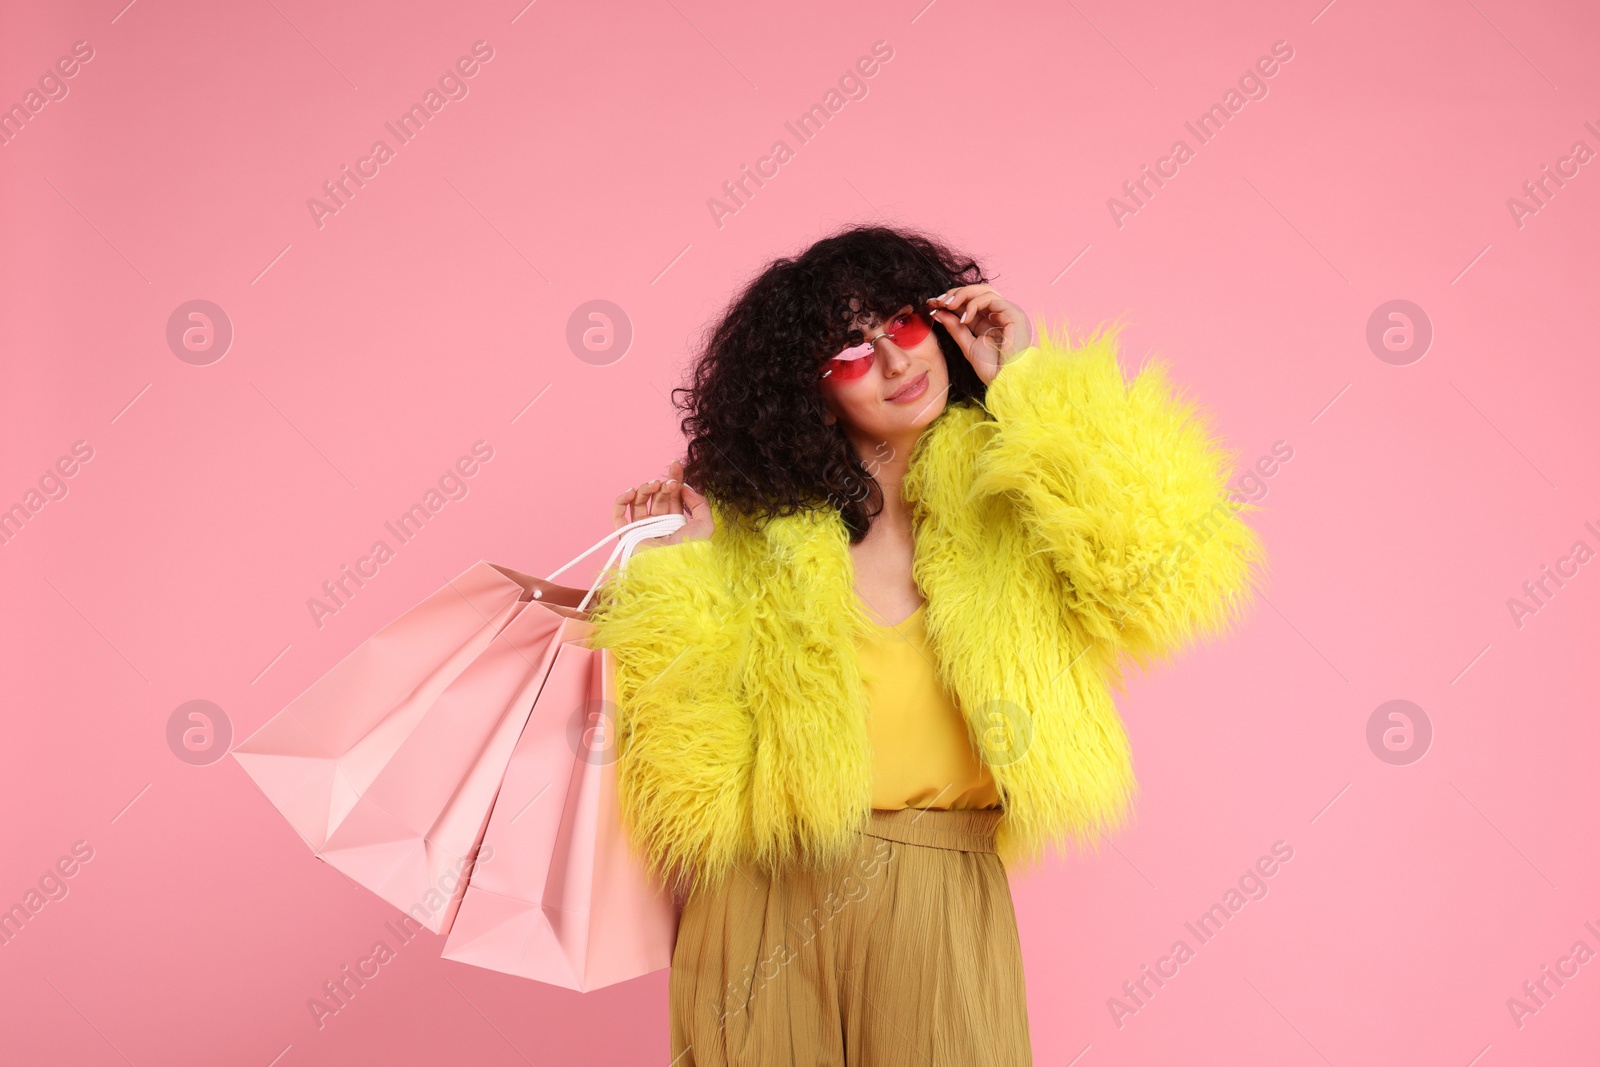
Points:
point(910, 330)
point(849, 365)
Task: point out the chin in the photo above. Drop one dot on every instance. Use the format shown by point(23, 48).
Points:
point(916, 415)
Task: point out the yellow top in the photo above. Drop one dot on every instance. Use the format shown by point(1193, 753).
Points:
point(922, 756)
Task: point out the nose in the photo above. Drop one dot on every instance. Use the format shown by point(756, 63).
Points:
point(895, 359)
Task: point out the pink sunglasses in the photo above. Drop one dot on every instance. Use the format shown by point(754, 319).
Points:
point(906, 329)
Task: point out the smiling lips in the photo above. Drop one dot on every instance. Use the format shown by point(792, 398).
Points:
point(912, 391)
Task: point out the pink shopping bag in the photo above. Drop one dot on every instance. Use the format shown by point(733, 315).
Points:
point(563, 898)
point(389, 764)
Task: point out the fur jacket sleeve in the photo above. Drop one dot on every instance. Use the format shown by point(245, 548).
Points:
point(1123, 484)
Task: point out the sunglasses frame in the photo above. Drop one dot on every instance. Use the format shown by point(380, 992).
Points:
point(869, 349)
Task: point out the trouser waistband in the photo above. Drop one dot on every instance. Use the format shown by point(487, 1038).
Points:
point(963, 829)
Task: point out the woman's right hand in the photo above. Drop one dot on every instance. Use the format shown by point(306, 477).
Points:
point(665, 497)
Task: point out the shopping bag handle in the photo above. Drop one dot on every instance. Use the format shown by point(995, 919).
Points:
point(655, 526)
point(628, 538)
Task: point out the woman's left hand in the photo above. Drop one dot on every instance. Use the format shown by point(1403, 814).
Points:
point(989, 328)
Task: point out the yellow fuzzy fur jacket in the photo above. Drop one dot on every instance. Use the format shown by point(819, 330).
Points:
point(1073, 519)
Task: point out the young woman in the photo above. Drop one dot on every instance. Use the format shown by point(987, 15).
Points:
point(873, 670)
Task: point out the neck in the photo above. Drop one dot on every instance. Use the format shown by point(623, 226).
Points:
point(888, 461)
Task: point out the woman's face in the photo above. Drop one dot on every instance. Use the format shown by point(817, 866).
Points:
point(888, 390)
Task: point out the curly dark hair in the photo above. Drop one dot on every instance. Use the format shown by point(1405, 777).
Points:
point(758, 443)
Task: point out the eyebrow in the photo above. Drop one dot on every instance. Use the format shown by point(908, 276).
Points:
point(869, 323)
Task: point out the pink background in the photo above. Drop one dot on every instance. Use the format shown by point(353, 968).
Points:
point(432, 309)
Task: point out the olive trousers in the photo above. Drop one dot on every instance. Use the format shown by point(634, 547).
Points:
point(905, 953)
